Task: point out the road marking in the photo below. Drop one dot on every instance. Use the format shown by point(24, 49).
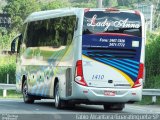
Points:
point(143, 108)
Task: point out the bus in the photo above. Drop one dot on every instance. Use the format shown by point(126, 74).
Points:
point(82, 56)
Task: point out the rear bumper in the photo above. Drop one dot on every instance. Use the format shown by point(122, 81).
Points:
point(93, 94)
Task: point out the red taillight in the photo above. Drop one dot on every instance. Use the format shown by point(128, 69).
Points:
point(136, 84)
point(79, 74)
point(141, 71)
point(140, 76)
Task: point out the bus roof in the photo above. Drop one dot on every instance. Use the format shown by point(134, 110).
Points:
point(41, 15)
point(51, 14)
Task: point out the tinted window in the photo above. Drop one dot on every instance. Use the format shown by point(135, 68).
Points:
point(54, 32)
point(120, 22)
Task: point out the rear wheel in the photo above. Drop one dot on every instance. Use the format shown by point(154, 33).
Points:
point(117, 106)
point(69, 104)
point(58, 102)
point(26, 97)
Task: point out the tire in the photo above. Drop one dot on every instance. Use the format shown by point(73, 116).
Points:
point(69, 105)
point(58, 102)
point(26, 97)
point(118, 106)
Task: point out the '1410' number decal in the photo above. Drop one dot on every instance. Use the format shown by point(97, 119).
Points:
point(97, 77)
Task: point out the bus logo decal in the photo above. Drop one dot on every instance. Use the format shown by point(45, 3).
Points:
point(106, 23)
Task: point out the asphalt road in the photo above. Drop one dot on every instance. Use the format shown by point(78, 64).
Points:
point(16, 109)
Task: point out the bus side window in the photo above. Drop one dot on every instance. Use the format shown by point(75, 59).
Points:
point(55, 32)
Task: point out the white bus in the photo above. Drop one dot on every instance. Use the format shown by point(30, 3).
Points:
point(77, 55)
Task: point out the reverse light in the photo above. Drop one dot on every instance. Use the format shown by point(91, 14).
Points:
point(79, 78)
point(140, 76)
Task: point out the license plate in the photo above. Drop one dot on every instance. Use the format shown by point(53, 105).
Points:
point(109, 93)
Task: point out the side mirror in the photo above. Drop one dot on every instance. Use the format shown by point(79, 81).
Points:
point(15, 44)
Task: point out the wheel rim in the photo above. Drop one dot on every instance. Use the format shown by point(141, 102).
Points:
point(57, 96)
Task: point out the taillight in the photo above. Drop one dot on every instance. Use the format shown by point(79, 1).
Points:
point(79, 78)
point(140, 76)
point(141, 71)
point(137, 84)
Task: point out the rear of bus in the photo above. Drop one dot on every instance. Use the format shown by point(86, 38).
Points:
point(112, 65)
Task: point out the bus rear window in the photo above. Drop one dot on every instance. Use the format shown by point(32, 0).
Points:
point(112, 22)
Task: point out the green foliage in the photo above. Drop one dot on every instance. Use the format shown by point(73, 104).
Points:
point(19, 10)
point(3, 3)
point(11, 94)
point(54, 5)
point(84, 3)
point(106, 2)
point(152, 61)
point(147, 100)
point(128, 2)
point(110, 3)
point(5, 39)
point(7, 66)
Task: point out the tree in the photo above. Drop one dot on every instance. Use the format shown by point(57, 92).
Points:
point(2, 4)
point(54, 4)
point(19, 10)
point(84, 3)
